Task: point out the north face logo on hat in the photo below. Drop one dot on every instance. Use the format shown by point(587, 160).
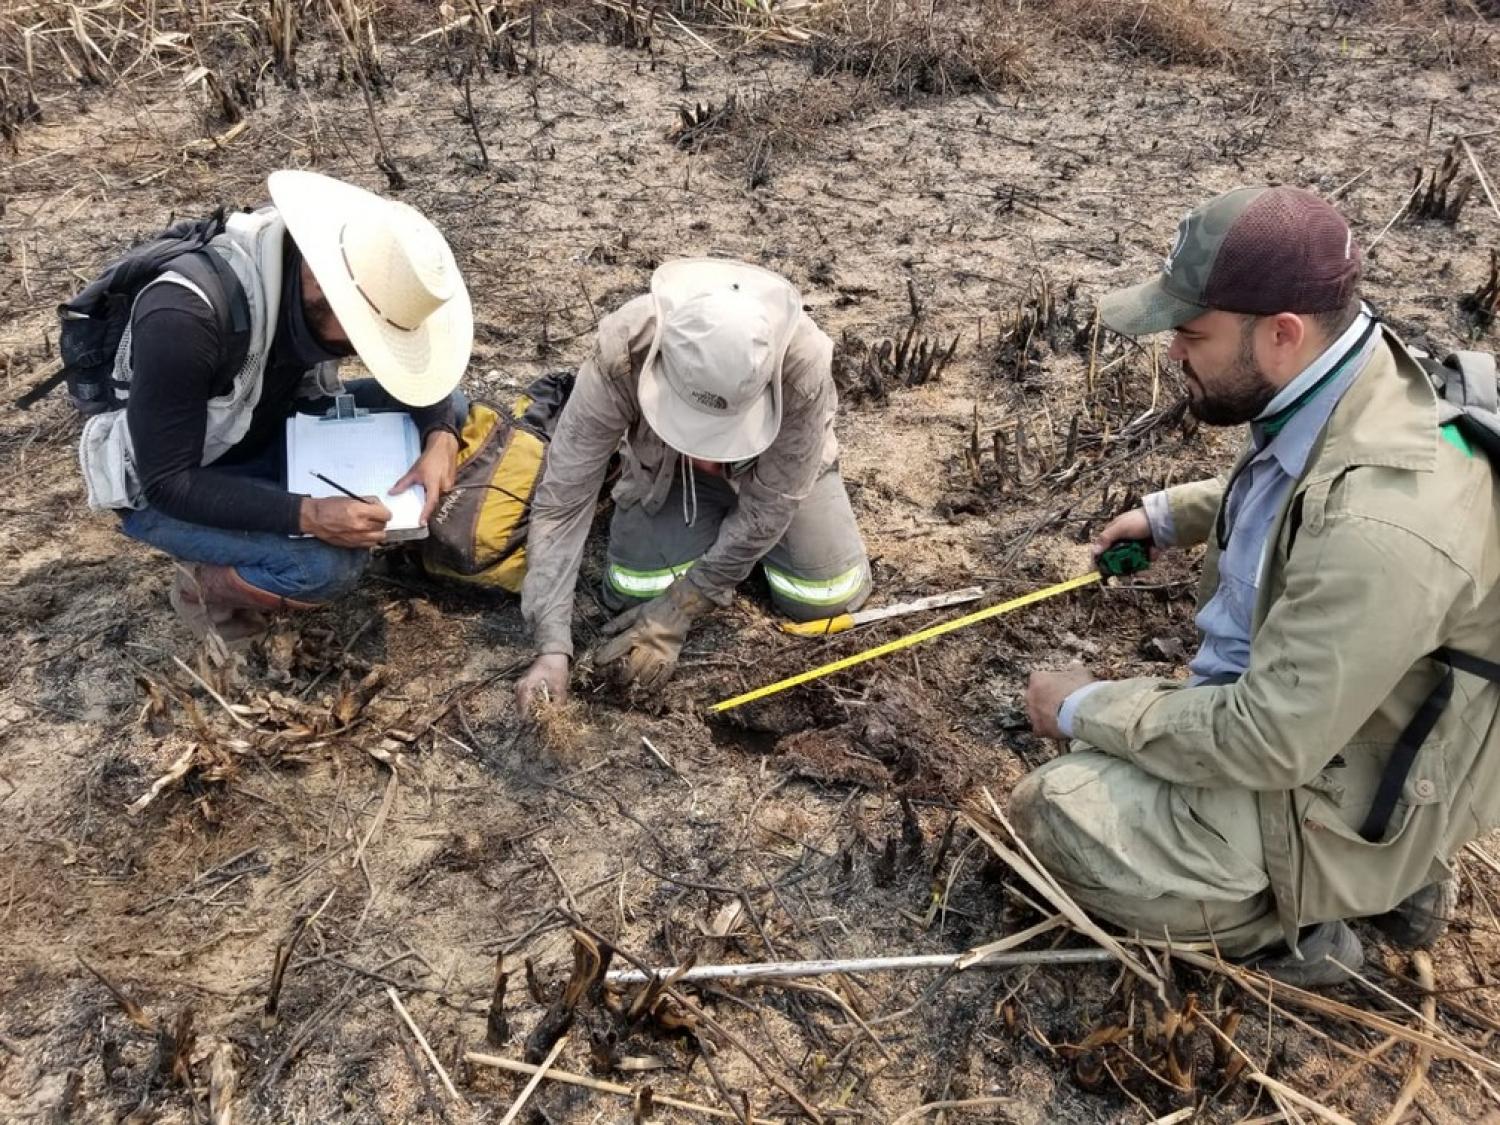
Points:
point(710, 400)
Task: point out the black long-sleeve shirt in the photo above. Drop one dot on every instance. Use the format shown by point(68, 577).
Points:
point(177, 366)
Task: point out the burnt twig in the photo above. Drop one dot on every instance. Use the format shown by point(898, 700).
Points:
point(496, 1026)
point(133, 1011)
point(383, 161)
point(473, 119)
point(283, 959)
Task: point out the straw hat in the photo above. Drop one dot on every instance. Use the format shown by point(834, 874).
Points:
point(390, 279)
point(711, 383)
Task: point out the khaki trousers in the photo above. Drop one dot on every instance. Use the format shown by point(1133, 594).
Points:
point(1155, 859)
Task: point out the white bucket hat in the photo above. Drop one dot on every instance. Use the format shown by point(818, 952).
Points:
point(711, 383)
point(390, 279)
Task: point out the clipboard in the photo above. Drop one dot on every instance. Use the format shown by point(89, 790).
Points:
point(365, 452)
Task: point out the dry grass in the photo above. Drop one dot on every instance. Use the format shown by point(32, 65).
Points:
point(562, 730)
point(758, 131)
point(908, 48)
point(1169, 31)
point(1427, 10)
point(1461, 35)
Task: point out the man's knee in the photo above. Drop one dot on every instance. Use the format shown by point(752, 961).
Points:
point(1026, 803)
point(317, 573)
point(807, 598)
point(1059, 806)
point(1037, 817)
point(627, 586)
point(334, 572)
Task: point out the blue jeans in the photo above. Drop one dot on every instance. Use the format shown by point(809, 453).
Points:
point(305, 570)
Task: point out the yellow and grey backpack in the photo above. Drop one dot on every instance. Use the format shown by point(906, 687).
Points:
point(478, 533)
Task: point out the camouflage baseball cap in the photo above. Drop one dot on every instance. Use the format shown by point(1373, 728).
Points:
point(1252, 250)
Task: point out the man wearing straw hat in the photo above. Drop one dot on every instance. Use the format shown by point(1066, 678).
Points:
point(1335, 743)
point(194, 461)
point(717, 391)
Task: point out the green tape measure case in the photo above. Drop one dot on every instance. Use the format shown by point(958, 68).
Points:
point(1128, 556)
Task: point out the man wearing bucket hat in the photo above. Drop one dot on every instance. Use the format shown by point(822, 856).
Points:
point(215, 359)
point(1254, 804)
point(717, 391)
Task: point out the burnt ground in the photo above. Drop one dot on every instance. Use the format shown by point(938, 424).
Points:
point(974, 172)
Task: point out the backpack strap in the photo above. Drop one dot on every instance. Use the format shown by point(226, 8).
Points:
point(42, 389)
point(1469, 382)
point(1404, 754)
point(210, 276)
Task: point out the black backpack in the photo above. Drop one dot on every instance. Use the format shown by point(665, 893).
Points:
point(92, 323)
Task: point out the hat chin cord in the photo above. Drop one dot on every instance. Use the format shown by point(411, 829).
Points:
point(689, 487)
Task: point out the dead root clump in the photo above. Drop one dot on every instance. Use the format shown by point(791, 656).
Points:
point(866, 371)
point(1045, 325)
point(907, 49)
point(1131, 402)
point(1483, 305)
point(1442, 192)
point(562, 729)
point(758, 130)
point(1169, 31)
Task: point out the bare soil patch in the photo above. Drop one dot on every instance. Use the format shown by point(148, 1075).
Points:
point(356, 800)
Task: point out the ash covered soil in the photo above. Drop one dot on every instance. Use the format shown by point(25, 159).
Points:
point(356, 799)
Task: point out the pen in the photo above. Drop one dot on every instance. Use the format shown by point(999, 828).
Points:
point(345, 491)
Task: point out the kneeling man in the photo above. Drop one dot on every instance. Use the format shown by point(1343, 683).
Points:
point(1263, 803)
point(717, 392)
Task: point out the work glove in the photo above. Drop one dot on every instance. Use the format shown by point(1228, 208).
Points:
point(648, 638)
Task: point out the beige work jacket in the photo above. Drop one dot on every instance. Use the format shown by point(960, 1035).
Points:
point(1387, 547)
point(603, 416)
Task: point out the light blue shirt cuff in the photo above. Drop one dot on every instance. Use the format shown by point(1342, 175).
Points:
point(1069, 708)
point(1159, 516)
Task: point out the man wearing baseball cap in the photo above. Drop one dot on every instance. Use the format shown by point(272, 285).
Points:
point(1253, 804)
point(226, 343)
point(716, 389)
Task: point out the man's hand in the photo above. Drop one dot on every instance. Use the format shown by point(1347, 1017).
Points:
point(1045, 694)
point(648, 638)
point(435, 470)
point(547, 678)
point(344, 523)
point(1130, 525)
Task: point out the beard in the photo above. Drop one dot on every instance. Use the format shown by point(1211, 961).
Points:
point(1239, 395)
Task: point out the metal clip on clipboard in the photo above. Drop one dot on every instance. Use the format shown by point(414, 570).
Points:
point(343, 409)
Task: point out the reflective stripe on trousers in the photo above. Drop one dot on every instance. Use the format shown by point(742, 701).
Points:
point(643, 583)
point(819, 592)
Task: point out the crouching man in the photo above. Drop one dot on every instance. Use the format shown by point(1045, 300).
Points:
point(224, 343)
point(717, 391)
point(1265, 801)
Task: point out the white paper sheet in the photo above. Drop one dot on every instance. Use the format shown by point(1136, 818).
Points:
point(366, 455)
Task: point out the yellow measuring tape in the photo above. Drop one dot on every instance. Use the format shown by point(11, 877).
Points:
point(907, 641)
